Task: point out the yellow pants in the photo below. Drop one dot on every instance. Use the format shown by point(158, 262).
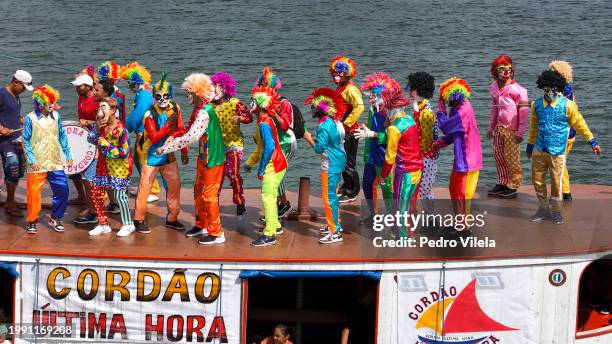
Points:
point(566, 181)
point(541, 164)
point(506, 153)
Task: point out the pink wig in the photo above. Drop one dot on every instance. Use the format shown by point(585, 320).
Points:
point(227, 82)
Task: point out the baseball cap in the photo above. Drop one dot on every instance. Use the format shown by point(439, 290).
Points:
point(25, 78)
point(82, 79)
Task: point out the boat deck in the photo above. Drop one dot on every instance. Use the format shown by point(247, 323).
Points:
point(587, 229)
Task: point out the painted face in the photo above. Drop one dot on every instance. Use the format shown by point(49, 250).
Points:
point(162, 99)
point(338, 78)
point(104, 113)
point(50, 107)
point(550, 94)
point(218, 92)
point(504, 72)
point(190, 98)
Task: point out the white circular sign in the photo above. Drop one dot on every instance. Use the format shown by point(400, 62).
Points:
point(83, 152)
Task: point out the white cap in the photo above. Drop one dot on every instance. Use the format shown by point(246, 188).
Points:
point(25, 78)
point(83, 79)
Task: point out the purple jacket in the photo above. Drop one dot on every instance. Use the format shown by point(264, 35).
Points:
point(461, 130)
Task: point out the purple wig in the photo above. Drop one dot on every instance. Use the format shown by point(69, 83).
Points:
point(227, 82)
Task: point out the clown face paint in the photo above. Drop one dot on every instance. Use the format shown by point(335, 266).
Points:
point(504, 72)
point(219, 94)
point(190, 98)
point(338, 78)
point(162, 99)
point(550, 94)
point(50, 107)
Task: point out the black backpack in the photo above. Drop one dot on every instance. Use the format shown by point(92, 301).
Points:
point(299, 124)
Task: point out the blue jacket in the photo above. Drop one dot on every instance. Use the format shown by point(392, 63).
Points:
point(142, 103)
point(330, 141)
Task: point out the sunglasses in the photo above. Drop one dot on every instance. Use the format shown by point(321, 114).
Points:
point(160, 96)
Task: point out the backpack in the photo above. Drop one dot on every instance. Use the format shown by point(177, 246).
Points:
point(299, 124)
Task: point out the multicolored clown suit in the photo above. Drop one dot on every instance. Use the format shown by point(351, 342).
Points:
point(138, 78)
point(551, 117)
point(403, 152)
point(161, 120)
point(374, 152)
point(326, 105)
point(268, 152)
point(460, 129)
point(283, 119)
point(44, 139)
point(113, 169)
point(507, 125)
point(343, 70)
point(421, 87)
point(231, 112)
point(565, 69)
point(110, 70)
point(203, 126)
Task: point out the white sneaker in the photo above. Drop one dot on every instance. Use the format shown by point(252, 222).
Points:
point(211, 240)
point(331, 238)
point(100, 229)
point(152, 198)
point(126, 230)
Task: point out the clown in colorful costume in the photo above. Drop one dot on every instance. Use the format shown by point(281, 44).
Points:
point(507, 125)
point(460, 129)
point(374, 152)
point(110, 70)
point(403, 152)
point(138, 78)
point(565, 69)
point(272, 161)
point(284, 125)
point(551, 117)
point(43, 140)
point(231, 112)
point(343, 70)
point(114, 167)
point(421, 86)
point(203, 126)
point(162, 119)
point(326, 104)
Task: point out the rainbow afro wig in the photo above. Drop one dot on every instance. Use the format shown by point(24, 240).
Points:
point(378, 82)
point(343, 65)
point(227, 82)
point(266, 98)
point(109, 70)
point(269, 79)
point(200, 85)
point(327, 102)
point(455, 90)
point(163, 86)
point(44, 96)
point(135, 73)
point(91, 71)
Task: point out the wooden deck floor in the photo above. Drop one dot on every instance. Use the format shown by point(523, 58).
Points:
point(588, 229)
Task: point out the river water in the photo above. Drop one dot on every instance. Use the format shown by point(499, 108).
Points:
point(55, 39)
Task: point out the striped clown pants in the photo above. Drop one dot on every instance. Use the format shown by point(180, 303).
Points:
point(99, 192)
point(59, 187)
point(405, 191)
point(329, 183)
point(506, 153)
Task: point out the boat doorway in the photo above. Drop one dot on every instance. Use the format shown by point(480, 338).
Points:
point(595, 299)
point(314, 309)
point(8, 276)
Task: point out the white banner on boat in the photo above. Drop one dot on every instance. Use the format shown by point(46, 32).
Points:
point(467, 306)
point(70, 303)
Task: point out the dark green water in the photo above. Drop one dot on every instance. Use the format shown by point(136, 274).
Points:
point(298, 38)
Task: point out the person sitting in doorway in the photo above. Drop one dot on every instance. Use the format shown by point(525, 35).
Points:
point(280, 336)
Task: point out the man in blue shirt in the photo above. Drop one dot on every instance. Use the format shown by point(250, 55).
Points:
point(11, 149)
